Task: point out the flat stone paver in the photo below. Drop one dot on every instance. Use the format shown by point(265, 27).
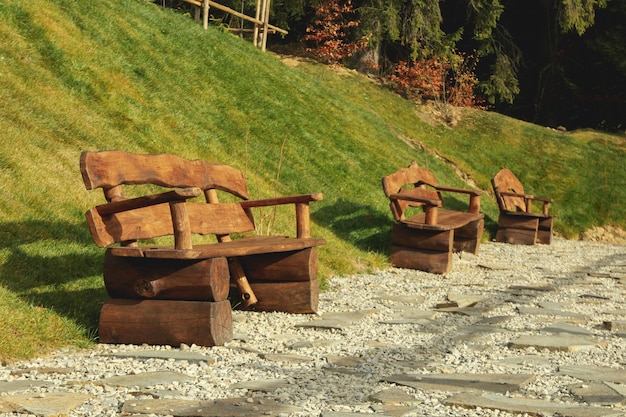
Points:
point(594, 373)
point(221, 408)
point(597, 393)
point(20, 384)
point(526, 405)
point(264, 385)
point(463, 382)
point(146, 379)
point(393, 396)
point(559, 342)
point(49, 404)
point(567, 328)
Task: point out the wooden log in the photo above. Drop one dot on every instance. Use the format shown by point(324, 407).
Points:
point(288, 297)
point(165, 322)
point(166, 279)
point(424, 260)
point(434, 240)
point(518, 222)
point(298, 266)
point(467, 238)
point(544, 231)
point(516, 236)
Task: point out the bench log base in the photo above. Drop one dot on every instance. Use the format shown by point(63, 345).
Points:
point(283, 281)
point(166, 322)
point(431, 250)
point(287, 297)
point(522, 230)
point(166, 279)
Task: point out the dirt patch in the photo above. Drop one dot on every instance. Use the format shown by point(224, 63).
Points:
point(610, 234)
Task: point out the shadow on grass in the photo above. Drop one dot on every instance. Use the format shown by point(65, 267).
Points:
point(369, 229)
point(359, 224)
point(53, 265)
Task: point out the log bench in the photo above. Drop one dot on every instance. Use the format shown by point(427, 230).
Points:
point(426, 240)
point(183, 292)
point(518, 223)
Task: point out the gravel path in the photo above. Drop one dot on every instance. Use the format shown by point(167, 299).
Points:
point(547, 322)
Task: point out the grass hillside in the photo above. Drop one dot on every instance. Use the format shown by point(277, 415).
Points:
point(127, 74)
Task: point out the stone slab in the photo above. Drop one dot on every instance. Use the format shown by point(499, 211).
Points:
point(405, 299)
point(466, 311)
point(20, 384)
point(597, 393)
point(238, 407)
point(179, 355)
point(529, 406)
point(262, 385)
point(50, 404)
point(146, 379)
point(594, 373)
point(538, 311)
point(559, 342)
point(567, 328)
point(336, 320)
point(466, 300)
point(394, 396)
point(501, 383)
point(284, 357)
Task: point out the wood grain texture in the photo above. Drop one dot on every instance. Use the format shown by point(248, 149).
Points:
point(165, 322)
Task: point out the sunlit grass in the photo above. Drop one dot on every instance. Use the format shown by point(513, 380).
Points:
point(126, 74)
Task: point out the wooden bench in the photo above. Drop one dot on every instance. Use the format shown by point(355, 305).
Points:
point(175, 293)
point(426, 240)
point(517, 223)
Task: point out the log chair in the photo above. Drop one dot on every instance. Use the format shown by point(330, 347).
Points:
point(426, 241)
point(517, 223)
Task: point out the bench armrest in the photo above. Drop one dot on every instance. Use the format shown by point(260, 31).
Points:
point(181, 194)
point(474, 197)
point(303, 213)
point(458, 190)
point(528, 199)
point(424, 200)
point(276, 201)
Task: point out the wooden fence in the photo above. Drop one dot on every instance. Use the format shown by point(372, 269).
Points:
point(261, 21)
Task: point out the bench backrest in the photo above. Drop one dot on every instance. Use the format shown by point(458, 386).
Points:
point(410, 181)
point(506, 181)
point(111, 170)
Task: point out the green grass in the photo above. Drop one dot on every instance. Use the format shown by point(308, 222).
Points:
point(126, 74)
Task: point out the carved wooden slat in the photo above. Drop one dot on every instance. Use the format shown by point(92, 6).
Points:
point(506, 181)
point(108, 169)
point(155, 221)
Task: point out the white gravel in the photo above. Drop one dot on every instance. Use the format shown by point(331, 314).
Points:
point(587, 278)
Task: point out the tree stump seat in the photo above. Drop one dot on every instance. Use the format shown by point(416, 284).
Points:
point(426, 240)
point(184, 293)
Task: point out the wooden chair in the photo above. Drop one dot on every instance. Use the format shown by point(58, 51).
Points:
point(426, 240)
point(179, 293)
point(518, 224)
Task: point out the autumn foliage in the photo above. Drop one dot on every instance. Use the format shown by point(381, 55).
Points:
point(330, 29)
point(437, 79)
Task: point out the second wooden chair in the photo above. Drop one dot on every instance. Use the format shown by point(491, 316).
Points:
point(426, 241)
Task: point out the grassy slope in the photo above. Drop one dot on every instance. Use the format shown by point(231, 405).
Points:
point(129, 75)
